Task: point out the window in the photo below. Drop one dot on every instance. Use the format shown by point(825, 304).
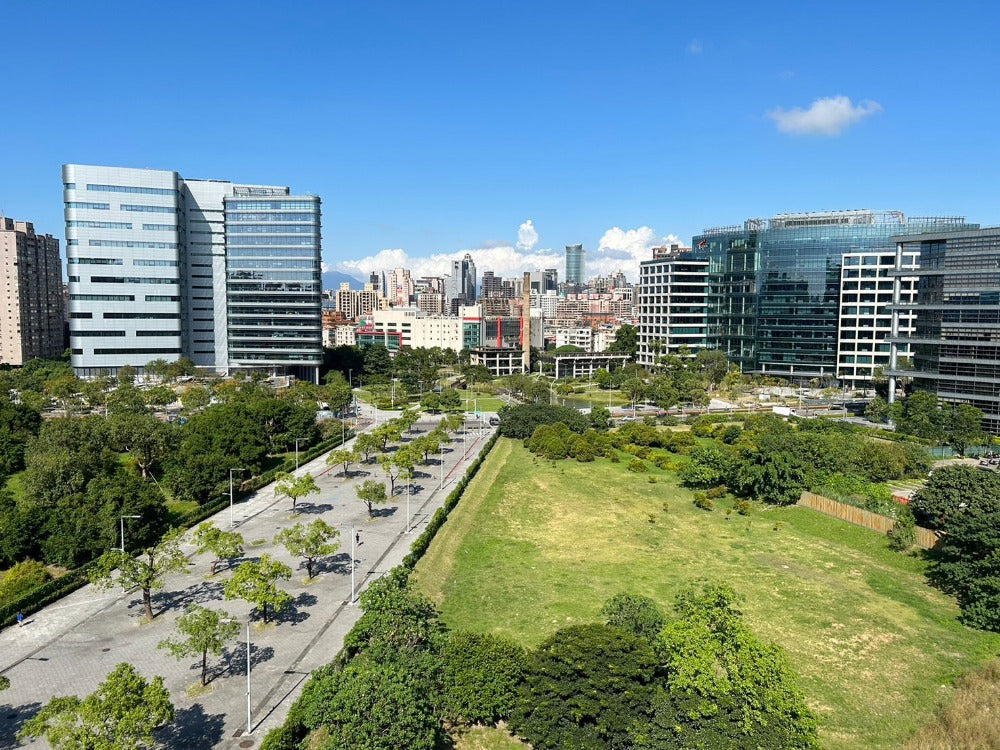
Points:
point(148, 209)
point(83, 315)
point(126, 243)
point(97, 333)
point(103, 297)
point(95, 261)
point(93, 206)
point(130, 189)
point(161, 298)
point(139, 316)
point(159, 227)
point(150, 262)
point(69, 186)
point(100, 224)
point(137, 351)
point(129, 280)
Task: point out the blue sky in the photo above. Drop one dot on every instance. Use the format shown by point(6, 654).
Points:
point(430, 128)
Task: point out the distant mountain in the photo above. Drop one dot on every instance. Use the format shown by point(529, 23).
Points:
point(333, 280)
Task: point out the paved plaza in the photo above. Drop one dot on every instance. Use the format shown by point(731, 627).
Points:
point(70, 646)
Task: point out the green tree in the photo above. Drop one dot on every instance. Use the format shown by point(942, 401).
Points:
point(431, 402)
point(522, 420)
point(603, 378)
point(337, 392)
point(877, 410)
point(426, 445)
point(600, 418)
point(224, 545)
point(372, 706)
point(377, 360)
point(64, 389)
point(22, 578)
point(392, 470)
point(480, 676)
point(144, 437)
point(202, 632)
point(371, 493)
point(147, 572)
point(159, 395)
point(638, 615)
point(195, 398)
point(450, 400)
point(156, 368)
point(626, 341)
point(397, 618)
point(343, 458)
point(120, 715)
point(255, 582)
point(584, 688)
point(294, 487)
point(366, 443)
point(963, 427)
point(389, 432)
point(309, 542)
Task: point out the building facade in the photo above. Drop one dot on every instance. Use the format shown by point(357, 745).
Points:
point(31, 300)
point(460, 286)
point(775, 289)
point(672, 305)
point(954, 318)
point(163, 267)
point(575, 265)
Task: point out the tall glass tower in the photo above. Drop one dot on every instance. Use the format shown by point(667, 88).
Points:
point(575, 264)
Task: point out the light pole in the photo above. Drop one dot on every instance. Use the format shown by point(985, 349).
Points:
point(121, 520)
point(297, 440)
point(236, 468)
point(354, 538)
point(249, 707)
point(408, 475)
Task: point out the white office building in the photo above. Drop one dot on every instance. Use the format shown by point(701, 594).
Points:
point(163, 267)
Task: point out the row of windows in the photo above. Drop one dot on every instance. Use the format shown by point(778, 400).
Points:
point(95, 261)
point(271, 228)
point(160, 227)
point(103, 297)
point(270, 252)
point(75, 334)
point(234, 216)
point(127, 316)
point(273, 264)
point(125, 189)
point(277, 240)
point(277, 275)
point(129, 280)
point(92, 206)
point(152, 262)
point(271, 205)
point(148, 209)
point(100, 224)
point(161, 298)
point(129, 243)
point(136, 351)
point(157, 333)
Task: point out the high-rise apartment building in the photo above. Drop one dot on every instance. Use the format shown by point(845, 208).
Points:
point(399, 287)
point(164, 267)
point(672, 305)
point(355, 303)
point(31, 300)
point(954, 318)
point(575, 264)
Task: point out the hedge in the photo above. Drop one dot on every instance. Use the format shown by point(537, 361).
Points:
point(53, 590)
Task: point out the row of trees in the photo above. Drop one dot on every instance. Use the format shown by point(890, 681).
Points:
point(925, 416)
point(637, 680)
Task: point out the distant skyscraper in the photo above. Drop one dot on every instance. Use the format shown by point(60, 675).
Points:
point(31, 301)
point(400, 287)
point(226, 274)
point(460, 286)
point(575, 264)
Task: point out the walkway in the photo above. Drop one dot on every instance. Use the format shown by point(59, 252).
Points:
point(70, 646)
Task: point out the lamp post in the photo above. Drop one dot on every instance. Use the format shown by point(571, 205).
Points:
point(121, 521)
point(354, 538)
point(408, 475)
point(235, 468)
point(249, 706)
point(297, 440)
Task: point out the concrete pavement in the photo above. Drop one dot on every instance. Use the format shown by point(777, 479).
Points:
point(70, 646)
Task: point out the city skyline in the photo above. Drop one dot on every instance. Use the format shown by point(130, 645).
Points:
point(511, 132)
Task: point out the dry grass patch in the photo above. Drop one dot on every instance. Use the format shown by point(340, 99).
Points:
point(971, 718)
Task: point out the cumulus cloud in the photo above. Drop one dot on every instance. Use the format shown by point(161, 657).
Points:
point(829, 116)
point(527, 236)
point(618, 250)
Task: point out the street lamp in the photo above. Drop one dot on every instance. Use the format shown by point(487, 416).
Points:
point(236, 468)
point(121, 521)
point(297, 440)
point(354, 539)
point(249, 707)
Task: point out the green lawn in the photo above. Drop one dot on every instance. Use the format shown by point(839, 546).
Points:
point(480, 402)
point(534, 547)
point(487, 738)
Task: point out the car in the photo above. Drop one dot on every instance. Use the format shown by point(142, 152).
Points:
point(494, 421)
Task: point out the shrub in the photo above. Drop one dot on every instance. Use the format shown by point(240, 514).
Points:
point(21, 579)
point(635, 614)
point(716, 492)
point(702, 501)
point(742, 507)
point(637, 464)
point(480, 675)
point(651, 479)
point(903, 534)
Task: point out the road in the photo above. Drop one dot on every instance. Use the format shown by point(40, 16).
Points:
point(70, 646)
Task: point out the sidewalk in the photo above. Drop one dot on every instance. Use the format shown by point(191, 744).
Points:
point(70, 646)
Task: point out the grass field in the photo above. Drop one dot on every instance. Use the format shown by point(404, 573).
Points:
point(487, 738)
point(535, 546)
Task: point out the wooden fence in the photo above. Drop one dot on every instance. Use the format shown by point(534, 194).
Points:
point(861, 517)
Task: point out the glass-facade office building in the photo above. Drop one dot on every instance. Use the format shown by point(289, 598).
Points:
point(575, 264)
point(159, 270)
point(956, 334)
point(776, 289)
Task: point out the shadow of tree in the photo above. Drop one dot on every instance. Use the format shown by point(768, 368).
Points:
point(234, 660)
point(292, 613)
point(313, 508)
point(206, 591)
point(383, 512)
point(192, 727)
point(339, 563)
point(12, 718)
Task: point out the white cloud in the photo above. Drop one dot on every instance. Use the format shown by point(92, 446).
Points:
point(618, 250)
point(694, 47)
point(829, 116)
point(527, 236)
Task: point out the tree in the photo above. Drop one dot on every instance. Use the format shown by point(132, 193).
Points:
point(431, 402)
point(126, 375)
point(397, 618)
point(584, 687)
point(366, 443)
point(370, 705)
point(626, 340)
point(522, 420)
point(195, 398)
point(344, 458)
point(426, 445)
point(337, 392)
point(255, 582)
point(224, 545)
point(638, 615)
point(388, 432)
point(877, 410)
point(450, 400)
point(603, 378)
point(159, 395)
point(309, 542)
point(723, 686)
point(156, 368)
point(203, 631)
point(120, 715)
point(63, 389)
point(963, 427)
point(294, 487)
point(144, 437)
point(371, 493)
point(391, 469)
point(600, 418)
point(146, 572)
point(480, 675)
